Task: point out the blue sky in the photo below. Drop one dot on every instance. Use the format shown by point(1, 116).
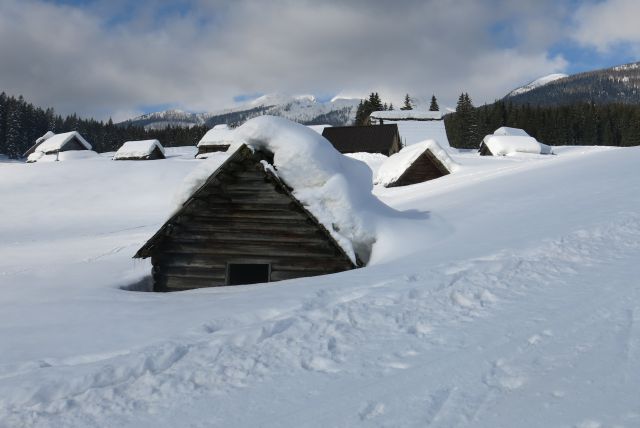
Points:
point(131, 57)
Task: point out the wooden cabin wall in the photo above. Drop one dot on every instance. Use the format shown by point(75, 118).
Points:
point(73, 144)
point(426, 167)
point(247, 219)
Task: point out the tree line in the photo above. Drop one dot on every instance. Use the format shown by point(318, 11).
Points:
point(374, 103)
point(582, 123)
point(21, 123)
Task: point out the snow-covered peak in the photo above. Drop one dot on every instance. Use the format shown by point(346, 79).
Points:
point(537, 83)
point(280, 99)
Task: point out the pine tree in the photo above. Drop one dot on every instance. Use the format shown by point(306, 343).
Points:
point(390, 106)
point(14, 129)
point(407, 103)
point(434, 104)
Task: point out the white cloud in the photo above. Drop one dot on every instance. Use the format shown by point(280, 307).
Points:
point(606, 24)
point(80, 60)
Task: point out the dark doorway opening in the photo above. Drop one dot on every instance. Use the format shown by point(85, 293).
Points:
point(247, 273)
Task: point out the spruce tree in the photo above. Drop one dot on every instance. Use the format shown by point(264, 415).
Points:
point(434, 104)
point(407, 103)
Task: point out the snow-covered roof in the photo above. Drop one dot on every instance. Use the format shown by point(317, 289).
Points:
point(336, 189)
point(415, 131)
point(501, 145)
point(397, 164)
point(138, 149)
point(507, 131)
point(46, 136)
point(406, 115)
point(218, 135)
point(56, 142)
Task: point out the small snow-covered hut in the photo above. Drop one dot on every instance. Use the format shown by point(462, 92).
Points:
point(508, 145)
point(513, 132)
point(382, 139)
point(415, 164)
point(217, 139)
point(140, 150)
point(50, 145)
point(281, 203)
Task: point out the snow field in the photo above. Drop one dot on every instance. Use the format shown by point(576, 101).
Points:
point(504, 295)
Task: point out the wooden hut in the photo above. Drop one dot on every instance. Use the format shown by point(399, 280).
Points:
point(53, 144)
point(140, 150)
point(217, 139)
point(415, 164)
point(382, 139)
point(242, 226)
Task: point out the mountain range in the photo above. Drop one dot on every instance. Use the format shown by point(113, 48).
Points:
point(610, 85)
point(305, 109)
point(617, 84)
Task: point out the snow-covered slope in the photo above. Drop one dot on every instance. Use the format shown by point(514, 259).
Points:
point(301, 108)
point(512, 300)
point(537, 83)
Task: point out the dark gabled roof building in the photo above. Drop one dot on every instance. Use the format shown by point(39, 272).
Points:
point(383, 139)
point(242, 226)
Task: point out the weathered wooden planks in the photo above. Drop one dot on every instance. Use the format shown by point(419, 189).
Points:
point(241, 215)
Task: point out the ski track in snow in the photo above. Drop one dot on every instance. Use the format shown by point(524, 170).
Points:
point(383, 338)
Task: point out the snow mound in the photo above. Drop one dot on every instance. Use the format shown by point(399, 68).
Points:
point(397, 164)
point(56, 142)
point(514, 132)
point(509, 145)
point(138, 149)
point(406, 115)
point(373, 160)
point(218, 135)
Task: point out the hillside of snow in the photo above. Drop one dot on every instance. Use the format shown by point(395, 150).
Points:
point(512, 300)
point(537, 83)
point(304, 109)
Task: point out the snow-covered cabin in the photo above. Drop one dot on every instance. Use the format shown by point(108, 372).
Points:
point(50, 146)
point(243, 225)
point(414, 126)
point(140, 150)
point(417, 163)
point(513, 132)
point(507, 141)
point(217, 139)
point(382, 139)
